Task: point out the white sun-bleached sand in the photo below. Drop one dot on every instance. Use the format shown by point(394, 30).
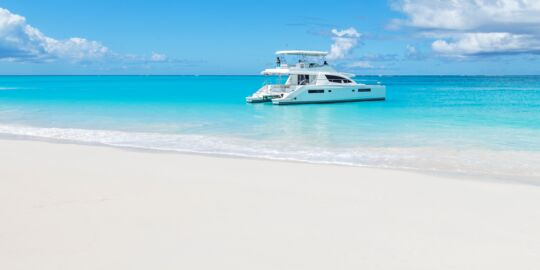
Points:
point(80, 207)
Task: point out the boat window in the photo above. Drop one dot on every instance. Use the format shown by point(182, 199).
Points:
point(337, 79)
point(364, 90)
point(303, 79)
point(315, 91)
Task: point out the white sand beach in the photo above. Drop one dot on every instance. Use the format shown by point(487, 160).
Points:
point(66, 206)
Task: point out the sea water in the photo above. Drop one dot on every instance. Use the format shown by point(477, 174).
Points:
point(487, 126)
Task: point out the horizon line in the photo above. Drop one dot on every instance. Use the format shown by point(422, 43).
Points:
point(254, 75)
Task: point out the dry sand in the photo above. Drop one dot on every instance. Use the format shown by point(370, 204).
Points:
point(88, 207)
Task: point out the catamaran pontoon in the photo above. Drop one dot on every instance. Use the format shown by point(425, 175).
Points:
point(312, 80)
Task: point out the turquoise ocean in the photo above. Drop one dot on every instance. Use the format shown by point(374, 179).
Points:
point(470, 125)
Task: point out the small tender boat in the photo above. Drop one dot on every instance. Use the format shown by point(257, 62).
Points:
point(312, 80)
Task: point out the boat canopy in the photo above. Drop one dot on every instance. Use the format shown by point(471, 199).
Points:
point(303, 53)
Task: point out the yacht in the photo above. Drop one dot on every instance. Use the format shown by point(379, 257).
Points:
point(312, 80)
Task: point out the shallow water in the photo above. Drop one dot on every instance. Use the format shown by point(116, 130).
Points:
point(472, 125)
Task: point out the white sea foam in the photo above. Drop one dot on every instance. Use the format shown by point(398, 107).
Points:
point(514, 165)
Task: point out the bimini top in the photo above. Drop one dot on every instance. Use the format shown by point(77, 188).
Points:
point(299, 52)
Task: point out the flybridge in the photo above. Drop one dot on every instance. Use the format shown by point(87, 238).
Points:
point(308, 62)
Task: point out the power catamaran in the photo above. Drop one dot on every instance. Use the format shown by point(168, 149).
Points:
point(312, 80)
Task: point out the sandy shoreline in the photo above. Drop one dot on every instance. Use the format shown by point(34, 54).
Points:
point(66, 206)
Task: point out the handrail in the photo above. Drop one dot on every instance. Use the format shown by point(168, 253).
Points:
point(278, 88)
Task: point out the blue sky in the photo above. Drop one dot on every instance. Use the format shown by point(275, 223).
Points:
point(240, 37)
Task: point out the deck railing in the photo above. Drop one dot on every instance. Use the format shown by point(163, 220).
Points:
point(276, 88)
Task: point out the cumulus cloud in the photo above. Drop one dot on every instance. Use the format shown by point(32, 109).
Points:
point(487, 43)
point(344, 41)
point(471, 14)
point(20, 41)
point(475, 27)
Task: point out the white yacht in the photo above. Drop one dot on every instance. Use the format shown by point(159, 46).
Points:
point(312, 80)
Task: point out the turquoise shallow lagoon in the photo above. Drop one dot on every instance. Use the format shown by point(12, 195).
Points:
point(452, 124)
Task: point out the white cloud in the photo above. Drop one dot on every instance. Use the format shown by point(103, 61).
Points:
point(411, 50)
point(470, 14)
point(158, 57)
point(486, 43)
point(77, 49)
point(473, 27)
point(21, 42)
point(360, 64)
point(344, 41)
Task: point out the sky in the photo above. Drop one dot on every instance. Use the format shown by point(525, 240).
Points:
point(395, 37)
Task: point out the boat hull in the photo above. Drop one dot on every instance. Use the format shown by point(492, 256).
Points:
point(312, 94)
point(277, 102)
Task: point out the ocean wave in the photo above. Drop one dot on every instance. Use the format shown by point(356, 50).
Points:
point(513, 165)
